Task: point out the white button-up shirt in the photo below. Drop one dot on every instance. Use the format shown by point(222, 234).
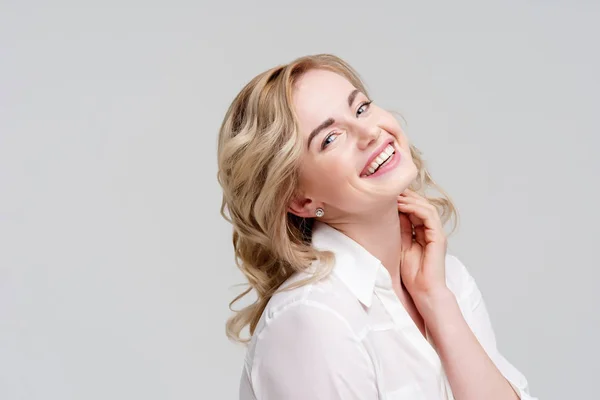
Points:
point(350, 337)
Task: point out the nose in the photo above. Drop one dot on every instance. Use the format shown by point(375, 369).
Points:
point(367, 134)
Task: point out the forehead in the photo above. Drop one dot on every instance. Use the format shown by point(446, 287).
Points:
point(318, 95)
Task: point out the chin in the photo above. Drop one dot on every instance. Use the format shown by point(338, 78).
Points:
point(404, 181)
point(404, 176)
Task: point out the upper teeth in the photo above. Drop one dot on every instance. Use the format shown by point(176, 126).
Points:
point(381, 158)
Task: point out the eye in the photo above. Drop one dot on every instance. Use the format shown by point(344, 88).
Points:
point(362, 106)
point(326, 141)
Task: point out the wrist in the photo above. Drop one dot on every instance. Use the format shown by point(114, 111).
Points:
point(435, 302)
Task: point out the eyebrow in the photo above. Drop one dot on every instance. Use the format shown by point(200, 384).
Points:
point(330, 121)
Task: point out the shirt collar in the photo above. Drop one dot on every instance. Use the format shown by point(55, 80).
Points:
point(354, 265)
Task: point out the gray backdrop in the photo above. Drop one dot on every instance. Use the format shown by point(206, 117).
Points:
point(115, 267)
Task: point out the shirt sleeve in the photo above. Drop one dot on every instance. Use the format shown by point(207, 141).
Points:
point(310, 352)
point(478, 319)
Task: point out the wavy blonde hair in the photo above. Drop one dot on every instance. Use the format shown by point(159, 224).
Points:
point(259, 149)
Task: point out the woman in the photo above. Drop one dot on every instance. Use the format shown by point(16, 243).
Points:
point(357, 297)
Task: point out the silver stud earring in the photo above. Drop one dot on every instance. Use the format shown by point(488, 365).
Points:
point(320, 212)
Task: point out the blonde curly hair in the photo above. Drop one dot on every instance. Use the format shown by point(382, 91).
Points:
point(259, 149)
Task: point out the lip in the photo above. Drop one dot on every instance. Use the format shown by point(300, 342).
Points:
point(376, 153)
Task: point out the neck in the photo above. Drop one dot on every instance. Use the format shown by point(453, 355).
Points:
point(379, 234)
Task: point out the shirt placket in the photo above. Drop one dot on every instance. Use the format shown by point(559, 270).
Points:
point(402, 320)
point(406, 325)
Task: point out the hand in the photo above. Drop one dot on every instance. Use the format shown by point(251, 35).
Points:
point(423, 265)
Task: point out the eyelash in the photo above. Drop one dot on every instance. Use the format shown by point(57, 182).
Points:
point(364, 103)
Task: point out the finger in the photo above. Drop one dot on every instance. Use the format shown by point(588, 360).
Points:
point(409, 201)
point(410, 193)
point(415, 198)
point(405, 232)
point(418, 225)
point(419, 228)
point(422, 216)
point(410, 197)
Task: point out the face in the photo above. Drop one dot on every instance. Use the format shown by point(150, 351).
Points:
point(346, 168)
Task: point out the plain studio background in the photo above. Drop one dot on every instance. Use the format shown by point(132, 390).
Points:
point(116, 268)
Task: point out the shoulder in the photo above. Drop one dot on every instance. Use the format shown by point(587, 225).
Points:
point(303, 304)
point(310, 349)
point(305, 331)
point(319, 315)
point(306, 322)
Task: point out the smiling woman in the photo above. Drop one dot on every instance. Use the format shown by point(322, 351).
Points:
point(356, 294)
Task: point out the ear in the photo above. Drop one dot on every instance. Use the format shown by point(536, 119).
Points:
point(302, 207)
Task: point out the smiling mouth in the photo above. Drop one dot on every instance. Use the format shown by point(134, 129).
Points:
point(382, 159)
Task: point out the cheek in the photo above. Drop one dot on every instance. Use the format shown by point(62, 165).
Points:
point(327, 181)
point(391, 125)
